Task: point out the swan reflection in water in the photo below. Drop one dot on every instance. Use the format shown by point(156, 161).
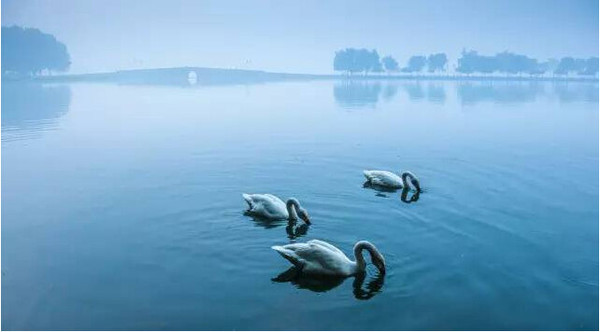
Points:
point(404, 196)
point(381, 190)
point(321, 283)
point(413, 197)
point(294, 229)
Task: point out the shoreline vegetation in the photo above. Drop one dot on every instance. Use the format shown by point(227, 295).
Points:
point(186, 76)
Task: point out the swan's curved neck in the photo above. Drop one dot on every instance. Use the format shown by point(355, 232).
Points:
point(292, 206)
point(360, 260)
point(413, 178)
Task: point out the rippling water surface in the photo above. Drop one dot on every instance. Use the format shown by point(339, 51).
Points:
point(122, 207)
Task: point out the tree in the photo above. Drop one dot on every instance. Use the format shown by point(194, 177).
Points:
point(29, 51)
point(373, 63)
point(343, 60)
point(505, 62)
point(591, 66)
point(579, 66)
point(467, 62)
point(390, 64)
point(549, 65)
point(437, 62)
point(416, 63)
point(512, 63)
point(566, 65)
point(353, 60)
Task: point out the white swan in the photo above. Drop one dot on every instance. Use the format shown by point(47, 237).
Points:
point(389, 179)
point(271, 207)
point(319, 257)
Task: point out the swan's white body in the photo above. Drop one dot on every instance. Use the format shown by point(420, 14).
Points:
point(383, 178)
point(267, 205)
point(391, 180)
point(319, 257)
point(271, 207)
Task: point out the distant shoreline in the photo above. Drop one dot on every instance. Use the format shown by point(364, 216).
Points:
point(214, 76)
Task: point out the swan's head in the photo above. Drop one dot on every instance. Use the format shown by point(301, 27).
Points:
point(303, 214)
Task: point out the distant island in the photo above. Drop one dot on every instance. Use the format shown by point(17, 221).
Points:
point(49, 58)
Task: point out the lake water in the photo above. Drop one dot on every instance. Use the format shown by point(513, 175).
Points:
point(122, 207)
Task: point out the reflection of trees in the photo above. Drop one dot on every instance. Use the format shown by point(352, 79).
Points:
point(322, 284)
point(519, 92)
point(357, 94)
point(24, 104)
point(360, 94)
point(389, 91)
point(499, 92)
point(574, 91)
point(414, 90)
point(436, 92)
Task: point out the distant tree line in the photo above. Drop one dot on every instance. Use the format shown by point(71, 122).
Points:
point(27, 51)
point(351, 60)
point(517, 64)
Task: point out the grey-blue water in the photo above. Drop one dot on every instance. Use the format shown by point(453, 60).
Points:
point(122, 207)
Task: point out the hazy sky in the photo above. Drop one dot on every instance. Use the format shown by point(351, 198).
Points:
point(301, 35)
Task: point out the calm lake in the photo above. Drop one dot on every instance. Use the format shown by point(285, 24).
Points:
point(122, 206)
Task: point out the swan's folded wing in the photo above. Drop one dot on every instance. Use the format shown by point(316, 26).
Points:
point(332, 260)
point(267, 202)
point(383, 178)
point(326, 245)
point(248, 198)
point(266, 199)
point(372, 177)
point(290, 252)
point(272, 198)
point(255, 198)
point(312, 252)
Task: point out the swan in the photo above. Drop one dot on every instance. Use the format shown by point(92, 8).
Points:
point(389, 179)
point(320, 257)
point(271, 207)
